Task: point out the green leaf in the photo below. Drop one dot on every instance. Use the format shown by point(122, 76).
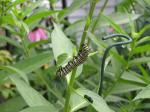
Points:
point(143, 94)
point(61, 59)
point(11, 30)
point(132, 76)
point(30, 8)
point(39, 16)
point(77, 102)
point(144, 106)
point(97, 41)
point(8, 19)
point(145, 73)
point(142, 40)
point(137, 61)
point(30, 95)
point(14, 104)
point(75, 27)
point(147, 1)
point(60, 43)
point(114, 24)
point(12, 70)
point(114, 98)
point(3, 76)
point(123, 86)
point(116, 20)
point(16, 2)
point(39, 109)
point(143, 30)
point(32, 63)
point(10, 41)
point(34, 44)
point(125, 4)
point(116, 65)
point(98, 102)
point(29, 64)
point(119, 58)
point(141, 49)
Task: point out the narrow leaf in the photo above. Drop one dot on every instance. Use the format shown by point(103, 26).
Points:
point(13, 107)
point(137, 61)
point(98, 102)
point(32, 63)
point(124, 86)
point(141, 49)
point(39, 16)
point(114, 25)
point(12, 70)
point(34, 44)
point(39, 109)
point(10, 41)
point(77, 102)
point(145, 93)
point(30, 95)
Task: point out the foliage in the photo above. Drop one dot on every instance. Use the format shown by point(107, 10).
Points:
point(28, 81)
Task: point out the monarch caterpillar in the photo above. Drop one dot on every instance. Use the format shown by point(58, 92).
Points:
point(76, 61)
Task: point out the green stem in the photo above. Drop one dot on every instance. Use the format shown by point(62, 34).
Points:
point(52, 6)
point(69, 91)
point(88, 22)
point(51, 3)
point(72, 80)
point(98, 18)
point(99, 15)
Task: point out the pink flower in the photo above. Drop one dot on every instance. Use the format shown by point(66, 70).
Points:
point(37, 34)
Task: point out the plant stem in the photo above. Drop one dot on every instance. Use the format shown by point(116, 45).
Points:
point(51, 4)
point(98, 18)
point(99, 15)
point(72, 80)
point(64, 5)
point(88, 22)
point(69, 91)
point(52, 7)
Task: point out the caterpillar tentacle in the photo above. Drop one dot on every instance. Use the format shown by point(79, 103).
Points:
point(75, 62)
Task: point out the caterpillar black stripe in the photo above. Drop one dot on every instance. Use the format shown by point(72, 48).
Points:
point(76, 61)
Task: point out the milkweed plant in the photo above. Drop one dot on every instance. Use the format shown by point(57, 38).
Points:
point(51, 60)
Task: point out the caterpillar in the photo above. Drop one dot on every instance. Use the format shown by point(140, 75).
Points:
point(88, 98)
point(76, 61)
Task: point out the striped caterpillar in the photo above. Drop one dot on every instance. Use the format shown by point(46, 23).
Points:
point(76, 61)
